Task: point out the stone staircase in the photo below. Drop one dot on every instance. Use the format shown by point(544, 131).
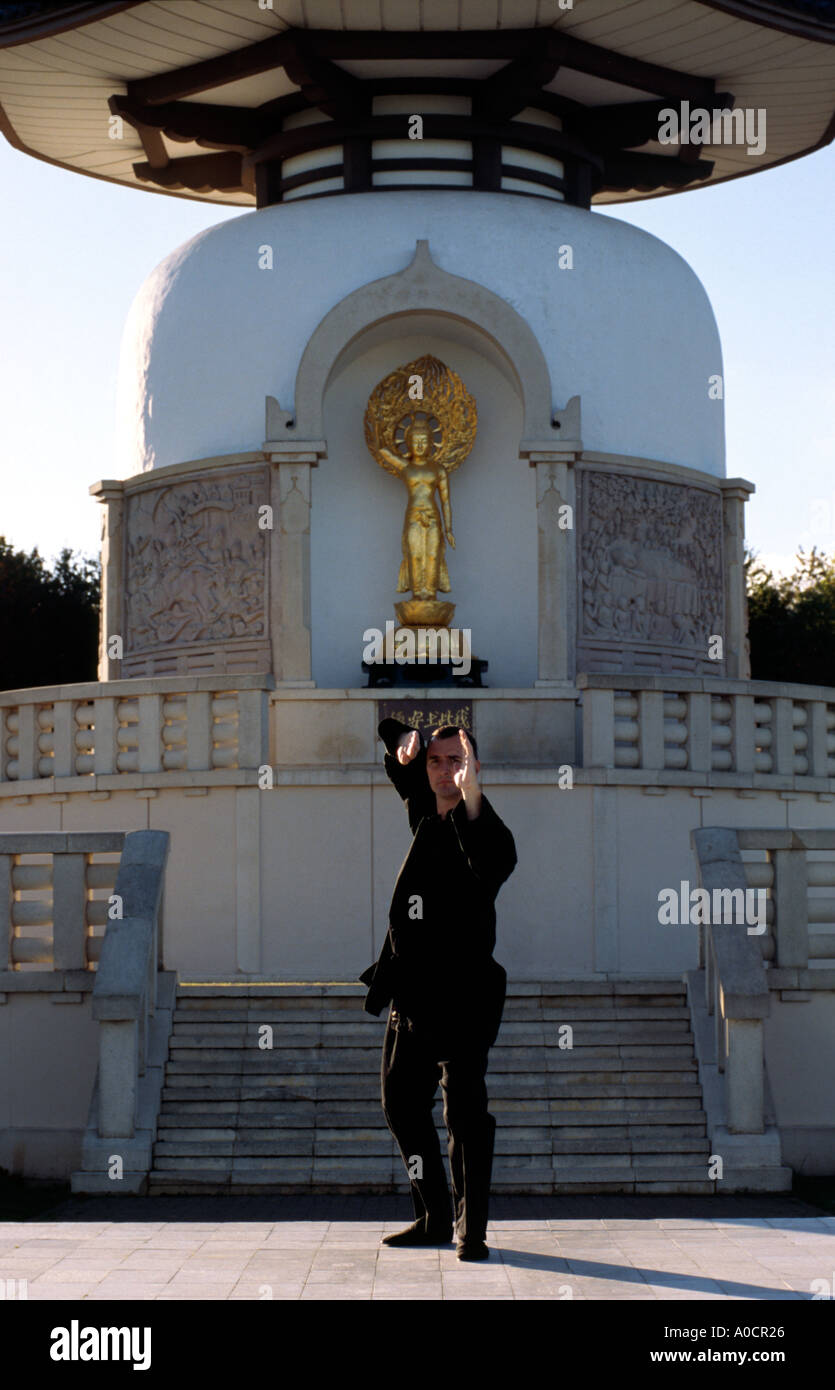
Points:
point(619, 1111)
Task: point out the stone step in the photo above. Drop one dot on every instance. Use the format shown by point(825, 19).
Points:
point(593, 1103)
point(662, 1131)
point(290, 998)
point(281, 1166)
point(513, 1032)
point(304, 1145)
point(370, 1165)
point(555, 1103)
point(331, 1025)
point(365, 1169)
point(520, 1010)
point(255, 1185)
point(602, 1182)
point(178, 1130)
point(607, 1129)
point(620, 1111)
point(200, 996)
point(291, 1043)
point(232, 1089)
point(581, 1058)
point(559, 1082)
point(660, 1128)
point(513, 1014)
point(546, 1089)
point(353, 1060)
point(601, 1012)
point(675, 1014)
point(554, 1082)
point(612, 1071)
point(270, 1143)
point(291, 1032)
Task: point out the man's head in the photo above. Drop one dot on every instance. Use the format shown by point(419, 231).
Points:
point(444, 757)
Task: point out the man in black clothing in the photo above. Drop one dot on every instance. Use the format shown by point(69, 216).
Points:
point(436, 970)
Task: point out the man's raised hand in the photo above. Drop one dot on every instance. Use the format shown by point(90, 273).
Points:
point(408, 747)
point(466, 777)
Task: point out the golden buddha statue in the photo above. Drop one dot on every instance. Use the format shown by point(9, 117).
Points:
point(422, 447)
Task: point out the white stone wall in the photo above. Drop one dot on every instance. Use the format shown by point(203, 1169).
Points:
point(629, 328)
point(294, 883)
point(798, 1042)
point(48, 1059)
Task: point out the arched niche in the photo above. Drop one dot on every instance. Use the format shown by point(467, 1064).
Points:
point(421, 288)
point(518, 605)
point(357, 508)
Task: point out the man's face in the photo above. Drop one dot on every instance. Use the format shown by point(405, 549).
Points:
point(444, 757)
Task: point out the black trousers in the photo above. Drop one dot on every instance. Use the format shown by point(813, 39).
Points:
point(410, 1074)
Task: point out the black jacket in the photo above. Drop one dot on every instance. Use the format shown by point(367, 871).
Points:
point(436, 962)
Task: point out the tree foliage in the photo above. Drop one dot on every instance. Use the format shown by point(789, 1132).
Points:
point(49, 618)
point(791, 620)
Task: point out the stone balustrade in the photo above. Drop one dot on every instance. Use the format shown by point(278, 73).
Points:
point(54, 896)
point(736, 985)
point(699, 725)
point(633, 728)
point(737, 980)
point(83, 921)
point(125, 992)
point(168, 724)
point(797, 899)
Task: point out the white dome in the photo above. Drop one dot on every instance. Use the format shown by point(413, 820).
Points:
point(628, 328)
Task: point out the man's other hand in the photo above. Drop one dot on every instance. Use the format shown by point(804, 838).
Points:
point(466, 778)
point(408, 747)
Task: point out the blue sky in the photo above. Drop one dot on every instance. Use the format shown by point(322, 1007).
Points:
point(74, 251)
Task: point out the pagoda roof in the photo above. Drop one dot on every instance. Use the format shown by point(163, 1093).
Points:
point(205, 90)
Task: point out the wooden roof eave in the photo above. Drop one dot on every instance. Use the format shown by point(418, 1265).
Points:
point(77, 16)
point(502, 44)
point(324, 82)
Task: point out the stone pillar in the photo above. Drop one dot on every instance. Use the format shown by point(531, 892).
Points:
point(735, 493)
point(557, 564)
point(791, 908)
point(744, 1087)
point(248, 915)
point(111, 493)
point(290, 559)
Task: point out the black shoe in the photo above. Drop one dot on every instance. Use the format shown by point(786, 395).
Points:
point(417, 1234)
point(472, 1250)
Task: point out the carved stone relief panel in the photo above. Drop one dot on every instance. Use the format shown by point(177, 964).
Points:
point(650, 572)
point(196, 562)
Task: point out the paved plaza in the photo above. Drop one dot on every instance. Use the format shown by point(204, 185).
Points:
point(280, 1247)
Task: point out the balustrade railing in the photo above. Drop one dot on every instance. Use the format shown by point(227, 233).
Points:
point(55, 895)
point(195, 724)
point(737, 955)
point(654, 723)
point(125, 992)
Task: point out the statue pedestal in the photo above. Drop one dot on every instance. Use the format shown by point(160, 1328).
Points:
point(421, 612)
point(412, 673)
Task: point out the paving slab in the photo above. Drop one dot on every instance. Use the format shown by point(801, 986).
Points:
point(327, 1248)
